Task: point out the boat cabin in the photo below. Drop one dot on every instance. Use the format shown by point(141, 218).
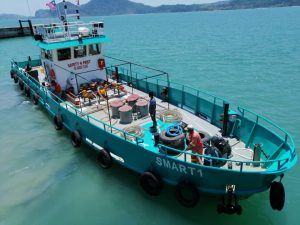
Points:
point(72, 53)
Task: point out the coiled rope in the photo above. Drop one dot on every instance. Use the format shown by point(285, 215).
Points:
point(170, 116)
point(134, 130)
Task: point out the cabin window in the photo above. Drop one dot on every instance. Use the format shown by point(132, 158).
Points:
point(48, 55)
point(94, 49)
point(63, 54)
point(80, 51)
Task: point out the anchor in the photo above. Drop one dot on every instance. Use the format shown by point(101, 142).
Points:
point(229, 202)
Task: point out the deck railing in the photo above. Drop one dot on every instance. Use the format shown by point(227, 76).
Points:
point(240, 163)
point(269, 126)
point(61, 103)
point(68, 30)
point(203, 104)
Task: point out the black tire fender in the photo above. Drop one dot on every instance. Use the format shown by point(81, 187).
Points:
point(35, 99)
point(168, 140)
point(27, 91)
point(187, 194)
point(12, 74)
point(151, 183)
point(16, 78)
point(21, 85)
point(104, 159)
point(277, 195)
point(76, 138)
point(58, 122)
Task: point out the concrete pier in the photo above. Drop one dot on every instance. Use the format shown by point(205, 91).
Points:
point(11, 32)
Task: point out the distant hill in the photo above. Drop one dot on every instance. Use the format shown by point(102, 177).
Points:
point(11, 16)
point(102, 8)
point(118, 7)
point(227, 5)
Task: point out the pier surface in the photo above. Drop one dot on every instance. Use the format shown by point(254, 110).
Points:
point(21, 31)
point(11, 32)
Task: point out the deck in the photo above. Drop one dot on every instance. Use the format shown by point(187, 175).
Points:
point(98, 108)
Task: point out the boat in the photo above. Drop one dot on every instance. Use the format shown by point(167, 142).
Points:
point(103, 102)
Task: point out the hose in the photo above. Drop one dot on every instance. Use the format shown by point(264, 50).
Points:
point(174, 130)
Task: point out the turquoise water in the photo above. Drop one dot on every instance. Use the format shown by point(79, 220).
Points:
point(250, 57)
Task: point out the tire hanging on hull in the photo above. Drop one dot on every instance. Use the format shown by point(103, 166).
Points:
point(104, 159)
point(187, 194)
point(21, 85)
point(277, 195)
point(76, 138)
point(16, 79)
point(151, 183)
point(35, 99)
point(58, 122)
point(27, 91)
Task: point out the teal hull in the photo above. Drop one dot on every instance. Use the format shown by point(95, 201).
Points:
point(279, 145)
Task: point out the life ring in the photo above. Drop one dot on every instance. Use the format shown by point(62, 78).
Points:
point(27, 91)
point(151, 183)
point(76, 138)
point(52, 74)
point(187, 194)
point(104, 159)
point(21, 85)
point(277, 195)
point(101, 64)
point(58, 122)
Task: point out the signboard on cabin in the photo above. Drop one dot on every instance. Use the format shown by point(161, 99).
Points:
point(79, 65)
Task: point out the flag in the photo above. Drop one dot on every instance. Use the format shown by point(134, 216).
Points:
point(77, 2)
point(51, 5)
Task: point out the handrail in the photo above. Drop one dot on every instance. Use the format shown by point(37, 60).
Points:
point(287, 135)
point(53, 31)
point(242, 162)
point(189, 87)
point(138, 140)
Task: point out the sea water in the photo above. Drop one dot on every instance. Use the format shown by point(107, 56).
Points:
point(249, 57)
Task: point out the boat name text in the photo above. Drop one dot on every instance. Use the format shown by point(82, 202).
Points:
point(171, 165)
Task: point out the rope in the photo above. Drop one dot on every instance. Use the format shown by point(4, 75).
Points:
point(134, 130)
point(170, 116)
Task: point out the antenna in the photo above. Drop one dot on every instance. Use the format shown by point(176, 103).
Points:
point(65, 10)
point(28, 9)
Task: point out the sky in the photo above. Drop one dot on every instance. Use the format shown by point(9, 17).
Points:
point(21, 7)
